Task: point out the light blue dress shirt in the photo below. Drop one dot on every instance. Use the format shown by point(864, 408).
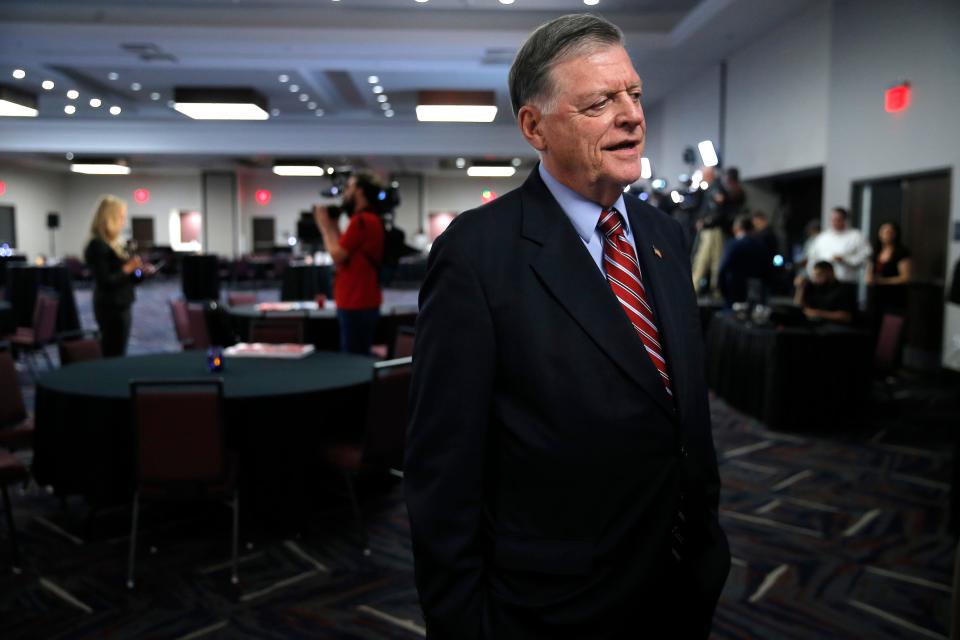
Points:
point(585, 214)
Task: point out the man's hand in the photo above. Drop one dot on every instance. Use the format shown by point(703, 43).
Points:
point(322, 217)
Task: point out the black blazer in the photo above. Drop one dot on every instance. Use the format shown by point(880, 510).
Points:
point(111, 286)
point(544, 458)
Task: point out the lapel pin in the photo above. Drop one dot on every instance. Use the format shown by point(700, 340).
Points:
point(657, 253)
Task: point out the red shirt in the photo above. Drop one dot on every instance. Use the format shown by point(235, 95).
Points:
point(357, 283)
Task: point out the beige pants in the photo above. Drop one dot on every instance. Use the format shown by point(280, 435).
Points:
point(707, 258)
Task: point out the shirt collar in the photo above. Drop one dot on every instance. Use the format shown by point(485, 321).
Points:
point(583, 213)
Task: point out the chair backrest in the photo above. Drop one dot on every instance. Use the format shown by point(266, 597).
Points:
point(178, 429)
point(79, 350)
point(237, 298)
point(181, 321)
point(888, 342)
point(277, 331)
point(199, 333)
point(45, 317)
point(403, 342)
point(12, 408)
point(386, 423)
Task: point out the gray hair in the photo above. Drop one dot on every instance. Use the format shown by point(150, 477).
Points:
point(550, 44)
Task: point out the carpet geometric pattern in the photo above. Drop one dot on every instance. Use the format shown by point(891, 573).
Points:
point(833, 536)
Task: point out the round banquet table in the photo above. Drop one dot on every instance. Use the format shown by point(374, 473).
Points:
point(322, 329)
point(278, 414)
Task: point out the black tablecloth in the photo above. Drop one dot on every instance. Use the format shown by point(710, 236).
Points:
point(5, 263)
point(278, 413)
point(201, 277)
point(23, 282)
point(321, 328)
point(6, 319)
point(305, 281)
point(806, 378)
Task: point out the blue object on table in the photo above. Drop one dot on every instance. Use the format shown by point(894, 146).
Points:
point(215, 359)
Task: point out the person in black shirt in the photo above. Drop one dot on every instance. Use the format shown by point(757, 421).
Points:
point(826, 298)
point(114, 273)
point(888, 274)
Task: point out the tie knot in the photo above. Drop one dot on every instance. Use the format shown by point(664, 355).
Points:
point(610, 221)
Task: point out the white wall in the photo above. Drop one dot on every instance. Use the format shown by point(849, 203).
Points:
point(167, 193)
point(458, 194)
point(33, 194)
point(653, 146)
point(874, 44)
point(690, 114)
point(778, 98)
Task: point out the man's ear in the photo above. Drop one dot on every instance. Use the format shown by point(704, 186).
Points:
point(531, 126)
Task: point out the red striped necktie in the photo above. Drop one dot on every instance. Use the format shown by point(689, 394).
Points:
point(623, 273)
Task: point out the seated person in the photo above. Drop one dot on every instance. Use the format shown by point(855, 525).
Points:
point(826, 298)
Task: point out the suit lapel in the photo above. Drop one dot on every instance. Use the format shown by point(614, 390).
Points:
point(661, 277)
point(566, 269)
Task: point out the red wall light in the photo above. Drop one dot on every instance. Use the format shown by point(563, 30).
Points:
point(262, 196)
point(141, 195)
point(897, 98)
point(3, 187)
point(487, 196)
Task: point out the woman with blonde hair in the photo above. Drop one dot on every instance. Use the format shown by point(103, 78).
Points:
point(114, 273)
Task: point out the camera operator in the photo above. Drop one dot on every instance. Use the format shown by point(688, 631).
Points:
point(357, 253)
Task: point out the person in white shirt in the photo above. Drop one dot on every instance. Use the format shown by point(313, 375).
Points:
point(840, 245)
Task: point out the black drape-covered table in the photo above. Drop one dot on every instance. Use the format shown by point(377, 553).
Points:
point(278, 413)
point(6, 318)
point(305, 281)
point(201, 277)
point(807, 378)
point(321, 328)
point(23, 282)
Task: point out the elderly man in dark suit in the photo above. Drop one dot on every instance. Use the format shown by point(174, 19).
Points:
point(561, 477)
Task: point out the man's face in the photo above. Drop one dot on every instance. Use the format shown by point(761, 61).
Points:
point(838, 221)
point(594, 134)
point(822, 276)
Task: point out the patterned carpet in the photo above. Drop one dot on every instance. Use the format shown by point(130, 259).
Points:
point(841, 536)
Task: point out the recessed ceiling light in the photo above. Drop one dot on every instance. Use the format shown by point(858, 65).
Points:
point(135, 86)
point(294, 88)
point(377, 89)
point(304, 97)
point(311, 105)
point(113, 75)
point(283, 77)
point(461, 163)
point(319, 112)
point(373, 79)
point(69, 109)
point(73, 94)
point(382, 97)
point(171, 104)
point(298, 170)
point(422, 1)
point(154, 96)
point(19, 74)
point(95, 102)
point(509, 2)
point(456, 106)
point(385, 106)
point(17, 103)
point(388, 113)
point(589, 3)
point(47, 84)
point(497, 171)
point(68, 155)
point(100, 168)
point(274, 112)
point(115, 110)
point(220, 104)
point(516, 162)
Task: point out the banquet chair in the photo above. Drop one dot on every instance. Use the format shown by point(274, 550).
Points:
point(181, 323)
point(30, 340)
point(79, 346)
point(384, 433)
point(16, 425)
point(180, 451)
point(199, 332)
point(403, 342)
point(239, 298)
point(11, 470)
point(277, 331)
